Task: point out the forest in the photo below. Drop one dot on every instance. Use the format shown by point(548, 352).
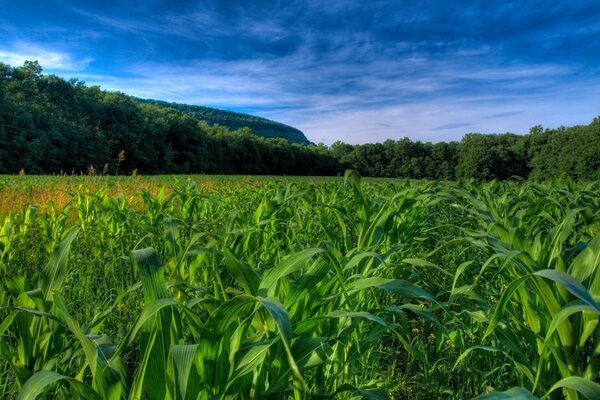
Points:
point(49, 125)
point(232, 120)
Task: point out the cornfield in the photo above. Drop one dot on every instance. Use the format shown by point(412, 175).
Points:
point(305, 288)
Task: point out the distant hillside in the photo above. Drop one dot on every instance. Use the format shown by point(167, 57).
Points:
point(232, 120)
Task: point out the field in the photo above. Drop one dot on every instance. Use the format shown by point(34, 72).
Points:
point(208, 287)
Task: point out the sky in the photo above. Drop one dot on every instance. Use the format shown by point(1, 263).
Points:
point(358, 71)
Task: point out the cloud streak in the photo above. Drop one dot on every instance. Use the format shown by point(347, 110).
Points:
point(451, 126)
point(504, 114)
point(18, 53)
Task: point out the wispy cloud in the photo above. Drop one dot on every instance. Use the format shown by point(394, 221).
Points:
point(18, 53)
point(363, 104)
point(503, 114)
point(451, 126)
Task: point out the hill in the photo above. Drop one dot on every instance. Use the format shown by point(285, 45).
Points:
point(49, 125)
point(233, 120)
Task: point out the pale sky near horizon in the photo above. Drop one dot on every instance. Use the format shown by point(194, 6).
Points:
point(355, 71)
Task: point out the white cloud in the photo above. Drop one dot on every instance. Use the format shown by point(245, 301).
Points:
point(18, 53)
point(409, 105)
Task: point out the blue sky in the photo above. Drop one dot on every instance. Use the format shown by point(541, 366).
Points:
point(357, 71)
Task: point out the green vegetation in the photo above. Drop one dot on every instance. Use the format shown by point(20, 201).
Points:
point(540, 155)
point(232, 120)
point(307, 288)
point(52, 126)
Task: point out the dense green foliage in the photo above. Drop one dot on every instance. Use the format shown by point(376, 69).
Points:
point(307, 289)
point(49, 125)
point(403, 158)
point(232, 120)
point(540, 155)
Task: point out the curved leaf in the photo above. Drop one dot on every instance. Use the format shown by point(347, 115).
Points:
point(588, 388)
point(571, 284)
point(41, 380)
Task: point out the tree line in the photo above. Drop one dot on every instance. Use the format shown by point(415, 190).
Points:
point(49, 125)
point(539, 155)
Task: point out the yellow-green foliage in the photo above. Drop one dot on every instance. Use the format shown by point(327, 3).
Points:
point(238, 288)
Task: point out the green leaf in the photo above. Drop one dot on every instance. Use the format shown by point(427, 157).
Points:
point(356, 259)
point(288, 266)
point(311, 352)
point(374, 394)
point(146, 315)
point(424, 263)
point(573, 307)
point(588, 388)
point(571, 284)
point(279, 315)
point(40, 380)
point(358, 314)
point(230, 312)
point(282, 320)
point(107, 372)
point(163, 321)
point(469, 350)
point(151, 273)
point(186, 384)
point(249, 358)
point(245, 276)
point(353, 178)
point(515, 393)
point(55, 271)
point(503, 303)
point(397, 286)
point(584, 265)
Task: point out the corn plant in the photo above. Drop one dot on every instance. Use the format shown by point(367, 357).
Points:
point(247, 288)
